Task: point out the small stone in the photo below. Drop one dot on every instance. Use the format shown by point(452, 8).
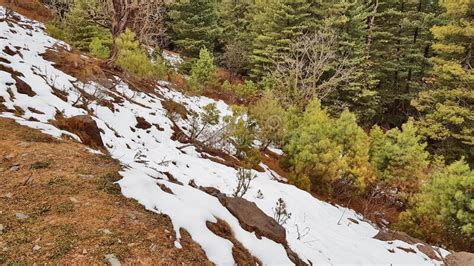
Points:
point(84, 251)
point(112, 260)
point(74, 200)
point(15, 168)
point(21, 216)
point(132, 216)
point(36, 248)
point(2, 228)
point(8, 157)
point(8, 195)
point(24, 144)
point(106, 231)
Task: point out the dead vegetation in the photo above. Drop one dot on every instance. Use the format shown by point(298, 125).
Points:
point(48, 189)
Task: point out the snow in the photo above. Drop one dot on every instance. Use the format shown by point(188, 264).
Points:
point(313, 231)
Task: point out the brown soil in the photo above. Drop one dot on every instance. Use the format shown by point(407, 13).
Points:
point(29, 8)
point(76, 214)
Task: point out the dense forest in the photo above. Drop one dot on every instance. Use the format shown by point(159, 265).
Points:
point(367, 98)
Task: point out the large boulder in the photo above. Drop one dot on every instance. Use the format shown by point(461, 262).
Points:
point(84, 127)
point(459, 259)
point(253, 219)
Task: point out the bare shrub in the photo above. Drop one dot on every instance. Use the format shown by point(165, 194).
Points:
point(244, 177)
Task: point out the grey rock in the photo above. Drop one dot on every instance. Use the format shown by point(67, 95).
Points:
point(2, 228)
point(112, 259)
point(21, 216)
point(36, 248)
point(15, 168)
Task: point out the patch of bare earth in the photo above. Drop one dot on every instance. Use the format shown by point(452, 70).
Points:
point(59, 204)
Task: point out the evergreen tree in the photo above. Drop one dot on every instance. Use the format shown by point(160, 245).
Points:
point(312, 152)
point(275, 23)
point(444, 210)
point(194, 25)
point(203, 71)
point(355, 150)
point(132, 58)
point(399, 51)
point(399, 156)
point(447, 105)
point(348, 20)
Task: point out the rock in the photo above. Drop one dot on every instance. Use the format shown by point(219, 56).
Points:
point(74, 200)
point(84, 251)
point(106, 231)
point(459, 259)
point(36, 248)
point(8, 195)
point(142, 123)
point(428, 251)
point(387, 235)
point(112, 260)
point(15, 168)
point(83, 126)
point(21, 216)
point(253, 219)
point(9, 157)
point(2, 228)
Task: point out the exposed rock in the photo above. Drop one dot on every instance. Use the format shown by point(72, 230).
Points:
point(2, 228)
point(142, 123)
point(15, 168)
point(460, 259)
point(112, 260)
point(21, 216)
point(253, 219)
point(74, 200)
point(36, 248)
point(23, 88)
point(83, 126)
point(386, 235)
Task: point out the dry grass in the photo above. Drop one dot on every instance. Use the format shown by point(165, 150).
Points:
point(29, 8)
point(75, 211)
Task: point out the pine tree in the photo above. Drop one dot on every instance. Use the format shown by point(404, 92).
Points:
point(443, 211)
point(132, 58)
point(311, 149)
point(447, 105)
point(399, 156)
point(348, 20)
point(194, 25)
point(275, 24)
point(203, 71)
point(400, 50)
point(355, 150)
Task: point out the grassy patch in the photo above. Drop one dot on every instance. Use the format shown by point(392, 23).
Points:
point(40, 165)
point(107, 183)
point(65, 207)
point(56, 181)
point(64, 243)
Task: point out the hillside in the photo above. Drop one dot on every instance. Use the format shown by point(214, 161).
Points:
point(185, 188)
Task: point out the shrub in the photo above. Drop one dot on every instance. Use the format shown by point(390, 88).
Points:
point(203, 72)
point(271, 120)
point(244, 178)
point(399, 156)
point(131, 58)
point(444, 210)
point(311, 150)
point(248, 89)
point(100, 48)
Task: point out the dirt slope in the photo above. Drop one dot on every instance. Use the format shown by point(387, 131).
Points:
point(58, 204)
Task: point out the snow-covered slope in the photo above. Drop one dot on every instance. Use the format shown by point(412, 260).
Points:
point(147, 154)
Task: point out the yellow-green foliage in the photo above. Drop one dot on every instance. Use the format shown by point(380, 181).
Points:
point(241, 132)
point(100, 48)
point(203, 72)
point(444, 210)
point(132, 58)
point(248, 89)
point(399, 156)
point(271, 119)
point(447, 107)
point(323, 150)
point(355, 149)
